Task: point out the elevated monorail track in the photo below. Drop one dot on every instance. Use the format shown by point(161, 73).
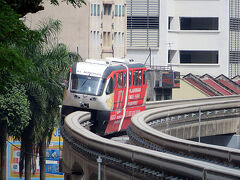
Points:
point(161, 156)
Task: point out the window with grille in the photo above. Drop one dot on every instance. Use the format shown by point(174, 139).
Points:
point(234, 39)
point(143, 23)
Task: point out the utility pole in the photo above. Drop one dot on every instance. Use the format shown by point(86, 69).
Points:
point(199, 125)
point(99, 161)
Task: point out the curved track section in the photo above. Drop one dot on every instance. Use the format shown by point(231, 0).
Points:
point(141, 163)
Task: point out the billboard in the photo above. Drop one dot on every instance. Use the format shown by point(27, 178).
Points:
point(53, 155)
point(166, 79)
point(176, 76)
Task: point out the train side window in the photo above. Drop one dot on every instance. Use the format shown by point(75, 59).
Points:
point(130, 78)
point(110, 88)
point(125, 79)
point(134, 78)
point(119, 80)
point(74, 82)
point(140, 77)
point(115, 82)
point(144, 77)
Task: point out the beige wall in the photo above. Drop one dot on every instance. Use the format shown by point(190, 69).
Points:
point(186, 91)
point(82, 32)
point(74, 24)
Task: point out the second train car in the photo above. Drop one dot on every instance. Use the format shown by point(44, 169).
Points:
point(113, 90)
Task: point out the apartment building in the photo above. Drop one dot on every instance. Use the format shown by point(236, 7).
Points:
point(107, 28)
point(234, 38)
point(191, 36)
point(96, 30)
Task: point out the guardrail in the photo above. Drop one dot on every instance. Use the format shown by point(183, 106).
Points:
point(144, 163)
point(140, 128)
point(158, 104)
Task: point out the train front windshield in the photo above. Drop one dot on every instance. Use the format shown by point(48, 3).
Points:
point(87, 84)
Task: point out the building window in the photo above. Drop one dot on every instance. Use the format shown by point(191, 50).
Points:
point(116, 10)
point(123, 10)
point(106, 39)
point(122, 38)
point(199, 23)
point(94, 11)
point(235, 24)
point(234, 38)
point(171, 55)
point(119, 10)
point(199, 57)
point(98, 10)
point(143, 23)
point(91, 9)
point(107, 8)
point(170, 19)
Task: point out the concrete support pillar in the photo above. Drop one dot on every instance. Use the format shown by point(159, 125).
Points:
point(238, 128)
point(76, 177)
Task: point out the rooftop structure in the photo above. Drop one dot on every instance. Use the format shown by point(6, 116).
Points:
point(219, 86)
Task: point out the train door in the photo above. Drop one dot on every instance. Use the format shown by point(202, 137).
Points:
point(119, 79)
point(136, 93)
point(120, 90)
point(135, 87)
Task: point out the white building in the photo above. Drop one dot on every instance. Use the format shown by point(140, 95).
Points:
point(192, 36)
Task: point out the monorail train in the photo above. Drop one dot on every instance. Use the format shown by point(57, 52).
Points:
point(113, 90)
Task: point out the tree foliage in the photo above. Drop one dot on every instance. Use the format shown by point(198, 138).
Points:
point(14, 33)
point(15, 108)
point(23, 7)
point(51, 61)
point(32, 65)
point(14, 116)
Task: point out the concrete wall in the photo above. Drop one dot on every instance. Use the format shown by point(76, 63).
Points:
point(229, 140)
point(208, 128)
point(74, 22)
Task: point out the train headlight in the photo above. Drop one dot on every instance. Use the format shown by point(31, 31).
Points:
point(93, 99)
point(84, 105)
point(76, 96)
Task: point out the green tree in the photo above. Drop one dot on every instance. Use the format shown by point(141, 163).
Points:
point(15, 63)
point(13, 70)
point(14, 116)
point(13, 33)
point(52, 61)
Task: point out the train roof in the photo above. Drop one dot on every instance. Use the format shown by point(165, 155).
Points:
point(103, 67)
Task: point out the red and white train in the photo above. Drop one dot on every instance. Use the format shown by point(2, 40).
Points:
point(113, 90)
